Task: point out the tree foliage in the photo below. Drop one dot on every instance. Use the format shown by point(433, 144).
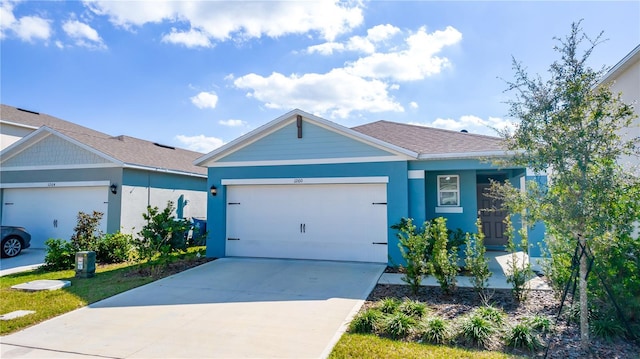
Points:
point(569, 126)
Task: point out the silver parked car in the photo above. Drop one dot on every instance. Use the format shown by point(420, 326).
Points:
point(14, 240)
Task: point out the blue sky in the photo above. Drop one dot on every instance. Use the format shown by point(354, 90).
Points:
point(199, 74)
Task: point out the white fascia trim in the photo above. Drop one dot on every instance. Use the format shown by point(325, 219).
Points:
point(320, 161)
point(55, 184)
point(58, 167)
point(18, 124)
point(465, 155)
point(285, 120)
point(621, 66)
point(163, 170)
point(303, 181)
point(416, 174)
point(449, 210)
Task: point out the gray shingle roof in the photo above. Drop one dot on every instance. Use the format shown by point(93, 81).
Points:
point(130, 150)
point(429, 140)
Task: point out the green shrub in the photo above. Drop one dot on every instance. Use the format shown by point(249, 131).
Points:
point(60, 255)
point(444, 262)
point(476, 261)
point(388, 305)
point(607, 328)
point(540, 323)
point(413, 308)
point(86, 233)
point(114, 248)
point(366, 322)
point(435, 330)
point(163, 234)
point(413, 248)
point(494, 315)
point(523, 336)
point(518, 273)
point(477, 330)
point(398, 325)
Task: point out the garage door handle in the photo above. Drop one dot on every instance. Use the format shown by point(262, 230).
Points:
point(233, 239)
point(380, 243)
point(303, 228)
point(382, 203)
point(230, 203)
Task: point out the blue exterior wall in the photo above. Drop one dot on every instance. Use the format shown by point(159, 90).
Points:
point(397, 193)
point(316, 142)
point(164, 180)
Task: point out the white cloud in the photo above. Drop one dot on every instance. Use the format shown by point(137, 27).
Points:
point(27, 28)
point(232, 123)
point(200, 143)
point(413, 104)
point(415, 62)
point(83, 34)
point(326, 49)
point(205, 100)
point(473, 124)
point(367, 44)
point(337, 93)
point(190, 39)
point(223, 20)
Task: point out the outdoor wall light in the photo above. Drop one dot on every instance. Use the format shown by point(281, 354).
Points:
point(213, 190)
point(114, 188)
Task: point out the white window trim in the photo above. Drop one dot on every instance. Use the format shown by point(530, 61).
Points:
point(457, 177)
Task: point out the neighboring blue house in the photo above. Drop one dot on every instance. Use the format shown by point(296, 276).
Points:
point(304, 187)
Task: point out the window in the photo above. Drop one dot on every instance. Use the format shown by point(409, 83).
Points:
point(448, 190)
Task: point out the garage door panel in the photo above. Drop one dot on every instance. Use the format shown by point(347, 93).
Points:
point(52, 212)
point(333, 222)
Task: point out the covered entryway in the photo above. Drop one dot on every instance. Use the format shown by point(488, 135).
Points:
point(491, 217)
point(338, 221)
point(51, 212)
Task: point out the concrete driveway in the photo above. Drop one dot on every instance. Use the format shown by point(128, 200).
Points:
point(29, 258)
point(228, 308)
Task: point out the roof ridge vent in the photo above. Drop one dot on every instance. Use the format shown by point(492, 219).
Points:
point(164, 146)
point(119, 138)
point(29, 111)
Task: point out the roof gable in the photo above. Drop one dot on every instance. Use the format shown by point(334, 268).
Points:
point(277, 142)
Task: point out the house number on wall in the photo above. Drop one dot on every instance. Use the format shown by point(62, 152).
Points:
point(297, 180)
point(51, 184)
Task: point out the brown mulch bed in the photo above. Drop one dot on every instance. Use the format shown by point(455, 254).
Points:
point(564, 341)
point(165, 270)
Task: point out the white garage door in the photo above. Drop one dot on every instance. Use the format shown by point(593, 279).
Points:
point(345, 222)
point(52, 212)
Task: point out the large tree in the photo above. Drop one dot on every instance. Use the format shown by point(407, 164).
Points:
point(569, 127)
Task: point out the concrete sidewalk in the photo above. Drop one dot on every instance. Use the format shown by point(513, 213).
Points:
point(498, 265)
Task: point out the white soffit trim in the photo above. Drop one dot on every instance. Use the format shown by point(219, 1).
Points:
point(319, 161)
point(22, 125)
point(416, 174)
point(465, 155)
point(163, 170)
point(303, 181)
point(285, 120)
point(55, 184)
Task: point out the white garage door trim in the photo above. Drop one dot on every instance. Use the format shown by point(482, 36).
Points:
point(346, 222)
point(304, 180)
point(55, 184)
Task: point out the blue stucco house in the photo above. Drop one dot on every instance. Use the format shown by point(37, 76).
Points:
point(304, 187)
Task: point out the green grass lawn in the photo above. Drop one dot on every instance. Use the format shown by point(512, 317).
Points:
point(108, 281)
point(372, 346)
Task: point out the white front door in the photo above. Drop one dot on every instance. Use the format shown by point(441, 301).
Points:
point(311, 221)
point(52, 212)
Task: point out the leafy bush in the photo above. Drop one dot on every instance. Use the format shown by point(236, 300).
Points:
point(388, 305)
point(475, 260)
point(114, 248)
point(607, 328)
point(413, 308)
point(435, 330)
point(398, 325)
point(477, 330)
point(444, 262)
point(413, 248)
point(163, 234)
point(60, 255)
point(539, 322)
point(366, 322)
point(523, 336)
point(86, 233)
point(519, 269)
point(494, 315)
